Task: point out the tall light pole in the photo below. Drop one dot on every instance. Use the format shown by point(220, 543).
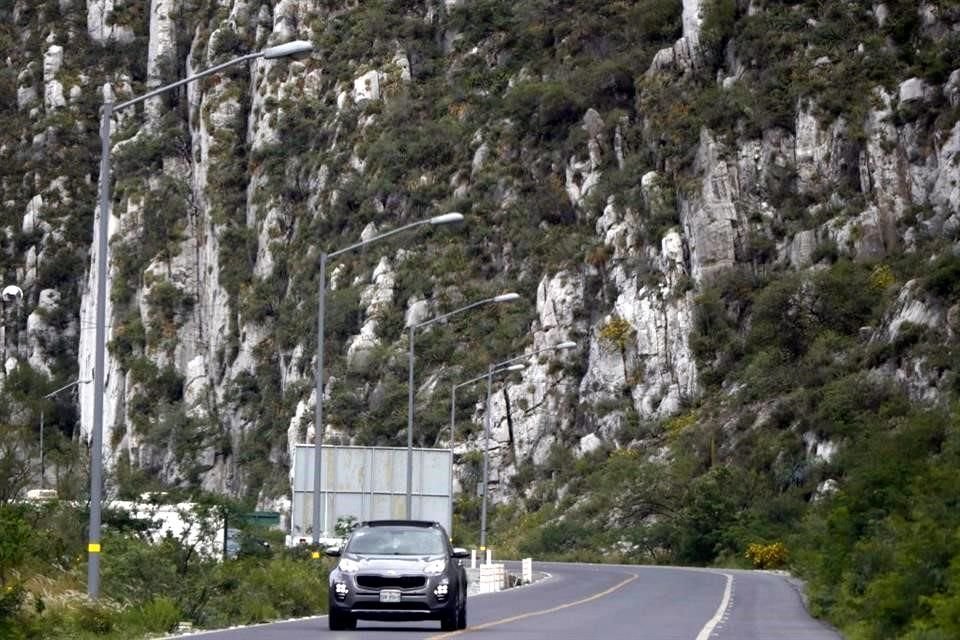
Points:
point(453, 410)
point(486, 431)
point(453, 395)
point(447, 218)
point(47, 397)
point(505, 297)
point(103, 201)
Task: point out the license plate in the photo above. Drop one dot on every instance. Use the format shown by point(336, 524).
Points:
point(390, 595)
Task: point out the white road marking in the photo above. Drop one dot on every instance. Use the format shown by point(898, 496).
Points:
point(207, 632)
point(721, 611)
point(531, 614)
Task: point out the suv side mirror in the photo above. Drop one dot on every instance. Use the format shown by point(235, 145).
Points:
point(460, 552)
point(333, 552)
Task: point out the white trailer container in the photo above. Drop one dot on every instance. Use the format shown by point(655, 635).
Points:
point(369, 483)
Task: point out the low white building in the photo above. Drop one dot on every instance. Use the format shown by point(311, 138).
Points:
point(191, 524)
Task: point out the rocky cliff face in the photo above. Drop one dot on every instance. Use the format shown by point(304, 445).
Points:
point(226, 191)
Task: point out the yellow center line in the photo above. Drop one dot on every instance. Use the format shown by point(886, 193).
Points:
point(531, 614)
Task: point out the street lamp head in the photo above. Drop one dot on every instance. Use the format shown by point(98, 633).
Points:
point(569, 344)
point(516, 367)
point(12, 293)
point(287, 49)
point(447, 218)
point(506, 297)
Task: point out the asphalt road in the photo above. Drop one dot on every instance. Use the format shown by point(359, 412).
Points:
point(586, 602)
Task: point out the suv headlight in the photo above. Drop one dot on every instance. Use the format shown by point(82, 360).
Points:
point(435, 567)
point(349, 566)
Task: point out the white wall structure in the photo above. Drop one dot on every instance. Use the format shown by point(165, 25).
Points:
point(182, 521)
point(493, 578)
point(370, 483)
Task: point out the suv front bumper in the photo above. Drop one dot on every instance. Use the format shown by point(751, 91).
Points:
point(415, 604)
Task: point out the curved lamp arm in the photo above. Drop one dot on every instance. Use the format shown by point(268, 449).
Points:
point(503, 297)
point(446, 218)
point(270, 53)
point(569, 344)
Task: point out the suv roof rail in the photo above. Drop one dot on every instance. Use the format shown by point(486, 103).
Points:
point(401, 523)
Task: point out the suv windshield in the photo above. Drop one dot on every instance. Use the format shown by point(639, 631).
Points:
point(402, 542)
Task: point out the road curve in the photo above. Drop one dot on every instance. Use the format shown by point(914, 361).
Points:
point(586, 601)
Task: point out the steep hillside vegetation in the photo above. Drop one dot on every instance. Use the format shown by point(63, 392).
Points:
point(745, 213)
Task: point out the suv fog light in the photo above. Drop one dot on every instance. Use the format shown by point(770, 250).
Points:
point(341, 590)
point(441, 590)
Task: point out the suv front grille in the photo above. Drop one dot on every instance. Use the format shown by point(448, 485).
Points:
point(391, 582)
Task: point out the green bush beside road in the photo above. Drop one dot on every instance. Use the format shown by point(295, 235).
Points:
point(147, 588)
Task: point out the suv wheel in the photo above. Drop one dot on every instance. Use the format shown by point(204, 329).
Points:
point(450, 618)
point(340, 621)
point(462, 615)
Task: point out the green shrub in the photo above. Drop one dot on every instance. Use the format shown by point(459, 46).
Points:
point(254, 590)
point(719, 18)
point(94, 617)
point(139, 571)
point(713, 504)
point(159, 614)
point(902, 22)
point(793, 310)
point(414, 147)
point(11, 599)
point(944, 609)
point(555, 539)
point(16, 538)
point(544, 109)
point(712, 330)
point(883, 540)
point(944, 277)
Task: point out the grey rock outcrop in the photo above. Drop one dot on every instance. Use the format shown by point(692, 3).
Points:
point(376, 297)
point(41, 337)
point(161, 51)
point(684, 54)
point(101, 26)
point(526, 419)
point(711, 222)
point(825, 159)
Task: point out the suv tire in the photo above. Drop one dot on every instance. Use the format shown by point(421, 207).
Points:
point(462, 615)
point(340, 621)
point(450, 618)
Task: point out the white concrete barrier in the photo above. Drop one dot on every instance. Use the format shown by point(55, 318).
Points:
point(493, 577)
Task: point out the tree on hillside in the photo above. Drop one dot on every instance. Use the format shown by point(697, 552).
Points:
point(616, 335)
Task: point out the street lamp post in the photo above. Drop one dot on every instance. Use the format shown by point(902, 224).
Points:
point(47, 397)
point(453, 395)
point(453, 411)
point(103, 201)
point(505, 297)
point(486, 431)
point(447, 218)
